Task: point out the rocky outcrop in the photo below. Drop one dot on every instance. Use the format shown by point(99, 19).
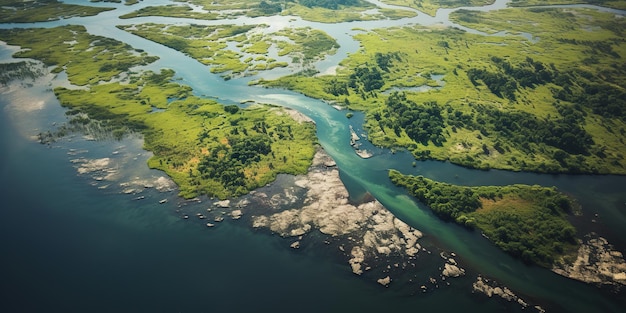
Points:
point(369, 232)
point(492, 289)
point(597, 262)
point(385, 281)
point(451, 270)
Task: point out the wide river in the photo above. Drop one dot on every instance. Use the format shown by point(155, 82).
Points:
point(68, 244)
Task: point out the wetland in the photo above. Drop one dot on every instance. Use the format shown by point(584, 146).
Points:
point(164, 116)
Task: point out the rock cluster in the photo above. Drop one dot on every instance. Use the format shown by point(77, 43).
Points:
point(597, 262)
point(371, 231)
point(491, 289)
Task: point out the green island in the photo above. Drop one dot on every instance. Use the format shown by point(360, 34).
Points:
point(328, 11)
point(430, 7)
point(503, 101)
point(616, 4)
point(205, 147)
point(529, 222)
point(14, 11)
point(210, 45)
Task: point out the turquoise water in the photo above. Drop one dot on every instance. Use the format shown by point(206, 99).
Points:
point(69, 246)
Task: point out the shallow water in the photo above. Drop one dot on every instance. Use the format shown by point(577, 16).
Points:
point(69, 244)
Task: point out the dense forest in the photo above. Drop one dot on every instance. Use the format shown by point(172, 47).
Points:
point(529, 222)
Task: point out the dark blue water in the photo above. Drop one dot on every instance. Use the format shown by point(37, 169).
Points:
point(69, 247)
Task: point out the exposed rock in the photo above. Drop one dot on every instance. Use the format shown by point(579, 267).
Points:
point(103, 166)
point(163, 184)
point(222, 204)
point(491, 288)
point(384, 281)
point(242, 203)
point(358, 256)
point(596, 263)
point(368, 231)
point(236, 214)
point(452, 271)
point(295, 245)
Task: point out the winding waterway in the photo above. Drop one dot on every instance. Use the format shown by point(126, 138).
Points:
point(73, 247)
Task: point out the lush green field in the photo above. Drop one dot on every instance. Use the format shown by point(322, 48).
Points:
point(205, 147)
point(13, 11)
point(210, 45)
point(529, 222)
point(552, 103)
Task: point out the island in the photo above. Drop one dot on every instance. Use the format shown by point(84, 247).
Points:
point(12, 11)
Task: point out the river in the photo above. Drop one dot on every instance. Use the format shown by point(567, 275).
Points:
point(69, 246)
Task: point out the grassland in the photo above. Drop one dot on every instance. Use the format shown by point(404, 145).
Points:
point(13, 11)
point(529, 222)
point(206, 148)
point(551, 103)
point(238, 50)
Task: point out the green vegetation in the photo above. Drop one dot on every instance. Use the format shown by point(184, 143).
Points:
point(126, 2)
point(430, 7)
point(172, 10)
point(329, 11)
point(210, 44)
point(342, 11)
point(86, 59)
point(305, 43)
point(504, 102)
point(206, 148)
point(15, 11)
point(616, 4)
point(529, 222)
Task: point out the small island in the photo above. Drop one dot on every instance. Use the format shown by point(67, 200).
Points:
point(43, 10)
point(529, 222)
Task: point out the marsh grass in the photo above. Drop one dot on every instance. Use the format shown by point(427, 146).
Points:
point(41, 11)
point(210, 45)
point(189, 136)
point(579, 46)
point(430, 7)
